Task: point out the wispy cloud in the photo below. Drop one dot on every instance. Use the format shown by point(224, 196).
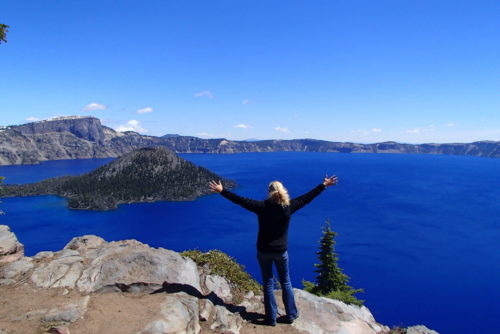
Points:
point(132, 125)
point(145, 110)
point(246, 102)
point(32, 119)
point(94, 106)
point(430, 128)
point(367, 132)
point(242, 126)
point(449, 125)
point(205, 93)
point(280, 129)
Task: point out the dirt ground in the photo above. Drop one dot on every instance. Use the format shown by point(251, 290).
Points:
point(107, 313)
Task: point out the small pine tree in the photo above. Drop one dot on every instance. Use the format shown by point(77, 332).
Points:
point(331, 282)
point(330, 276)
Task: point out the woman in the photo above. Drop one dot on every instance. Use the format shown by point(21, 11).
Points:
point(272, 242)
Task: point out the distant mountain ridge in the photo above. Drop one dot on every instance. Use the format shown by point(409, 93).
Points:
point(144, 175)
point(85, 137)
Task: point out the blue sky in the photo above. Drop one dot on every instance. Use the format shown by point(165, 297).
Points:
point(361, 71)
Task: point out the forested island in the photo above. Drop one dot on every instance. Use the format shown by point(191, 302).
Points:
point(144, 175)
point(85, 137)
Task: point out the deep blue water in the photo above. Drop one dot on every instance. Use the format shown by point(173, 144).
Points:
point(420, 233)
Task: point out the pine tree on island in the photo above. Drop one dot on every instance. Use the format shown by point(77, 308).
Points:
point(331, 282)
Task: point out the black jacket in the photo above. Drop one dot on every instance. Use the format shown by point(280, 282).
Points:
point(274, 219)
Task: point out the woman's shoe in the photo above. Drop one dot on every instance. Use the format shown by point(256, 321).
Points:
point(290, 320)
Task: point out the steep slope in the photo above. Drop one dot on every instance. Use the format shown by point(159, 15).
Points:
point(85, 137)
point(144, 175)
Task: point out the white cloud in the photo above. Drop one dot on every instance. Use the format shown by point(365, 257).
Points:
point(430, 128)
point(145, 110)
point(32, 119)
point(449, 125)
point(94, 106)
point(242, 126)
point(203, 93)
point(132, 125)
point(367, 132)
point(246, 102)
point(280, 129)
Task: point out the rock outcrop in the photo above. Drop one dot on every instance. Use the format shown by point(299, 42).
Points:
point(10, 249)
point(82, 289)
point(85, 137)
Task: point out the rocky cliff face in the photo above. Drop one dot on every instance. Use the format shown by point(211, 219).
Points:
point(93, 286)
point(85, 137)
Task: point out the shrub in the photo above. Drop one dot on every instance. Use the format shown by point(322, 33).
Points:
point(218, 263)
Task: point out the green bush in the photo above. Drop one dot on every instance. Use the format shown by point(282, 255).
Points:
point(346, 296)
point(218, 263)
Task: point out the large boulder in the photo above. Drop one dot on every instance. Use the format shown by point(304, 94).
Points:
point(10, 249)
point(128, 262)
point(320, 315)
point(179, 314)
point(91, 264)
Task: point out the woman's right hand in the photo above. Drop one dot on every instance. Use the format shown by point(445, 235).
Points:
point(215, 187)
point(330, 181)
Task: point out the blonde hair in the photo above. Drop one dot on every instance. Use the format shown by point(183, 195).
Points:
point(278, 193)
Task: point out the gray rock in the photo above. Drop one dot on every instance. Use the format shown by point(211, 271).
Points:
point(14, 269)
point(206, 309)
point(66, 252)
point(85, 243)
point(10, 249)
point(43, 255)
point(179, 315)
point(218, 285)
point(68, 259)
point(63, 270)
point(128, 262)
point(67, 313)
point(47, 274)
point(71, 277)
point(225, 321)
point(320, 315)
point(6, 281)
point(420, 329)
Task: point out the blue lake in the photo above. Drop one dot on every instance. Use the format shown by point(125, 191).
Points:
point(420, 233)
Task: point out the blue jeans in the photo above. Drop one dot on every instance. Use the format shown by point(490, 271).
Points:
point(266, 261)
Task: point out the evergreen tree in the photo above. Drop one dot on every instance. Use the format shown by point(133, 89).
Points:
point(3, 32)
point(331, 282)
point(330, 276)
